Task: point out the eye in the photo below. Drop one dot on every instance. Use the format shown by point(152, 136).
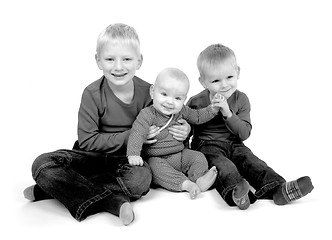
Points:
point(127, 59)
point(230, 77)
point(163, 94)
point(109, 59)
point(215, 81)
point(178, 98)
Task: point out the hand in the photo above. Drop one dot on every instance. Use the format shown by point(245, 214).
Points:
point(180, 131)
point(219, 101)
point(135, 160)
point(153, 131)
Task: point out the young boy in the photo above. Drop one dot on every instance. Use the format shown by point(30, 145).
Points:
point(95, 176)
point(173, 167)
point(221, 139)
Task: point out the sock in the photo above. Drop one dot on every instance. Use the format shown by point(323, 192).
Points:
point(293, 190)
point(35, 193)
point(120, 206)
point(240, 195)
point(126, 213)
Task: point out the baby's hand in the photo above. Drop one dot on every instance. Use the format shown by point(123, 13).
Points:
point(219, 97)
point(215, 105)
point(216, 102)
point(220, 101)
point(135, 160)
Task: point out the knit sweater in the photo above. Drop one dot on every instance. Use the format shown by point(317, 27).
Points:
point(166, 144)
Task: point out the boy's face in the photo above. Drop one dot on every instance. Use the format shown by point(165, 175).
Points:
point(118, 62)
point(221, 78)
point(169, 94)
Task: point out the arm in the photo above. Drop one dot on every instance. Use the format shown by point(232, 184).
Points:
point(237, 123)
point(200, 116)
point(138, 135)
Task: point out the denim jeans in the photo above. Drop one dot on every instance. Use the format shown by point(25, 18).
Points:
point(80, 179)
point(235, 162)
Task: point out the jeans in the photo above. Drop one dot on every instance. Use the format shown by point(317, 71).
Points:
point(80, 180)
point(235, 162)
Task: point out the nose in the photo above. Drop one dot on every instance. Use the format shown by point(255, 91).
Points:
point(223, 84)
point(118, 64)
point(169, 101)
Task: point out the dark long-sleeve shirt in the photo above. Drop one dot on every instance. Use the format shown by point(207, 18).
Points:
point(236, 128)
point(104, 121)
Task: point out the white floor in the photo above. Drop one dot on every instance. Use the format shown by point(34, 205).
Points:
point(165, 215)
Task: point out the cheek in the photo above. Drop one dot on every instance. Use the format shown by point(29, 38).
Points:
point(179, 105)
point(213, 89)
point(159, 100)
point(234, 85)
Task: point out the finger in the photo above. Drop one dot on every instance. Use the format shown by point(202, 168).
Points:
point(153, 131)
point(150, 141)
point(177, 132)
point(181, 121)
point(179, 137)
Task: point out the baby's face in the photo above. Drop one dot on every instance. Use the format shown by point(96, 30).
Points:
point(169, 94)
point(221, 79)
point(118, 62)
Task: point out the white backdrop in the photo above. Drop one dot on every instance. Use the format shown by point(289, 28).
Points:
point(47, 59)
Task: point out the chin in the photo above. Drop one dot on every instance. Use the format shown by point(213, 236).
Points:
point(166, 113)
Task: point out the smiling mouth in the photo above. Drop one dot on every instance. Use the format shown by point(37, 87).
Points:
point(119, 75)
point(223, 92)
point(167, 108)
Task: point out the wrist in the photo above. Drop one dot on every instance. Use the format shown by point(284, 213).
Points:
point(227, 114)
point(214, 109)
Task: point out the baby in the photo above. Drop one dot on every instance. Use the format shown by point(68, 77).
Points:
point(174, 167)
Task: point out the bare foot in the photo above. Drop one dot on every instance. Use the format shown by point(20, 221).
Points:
point(126, 213)
point(206, 181)
point(192, 188)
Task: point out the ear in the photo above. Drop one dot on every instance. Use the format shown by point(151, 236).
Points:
point(202, 82)
point(151, 91)
point(98, 61)
point(238, 71)
point(140, 61)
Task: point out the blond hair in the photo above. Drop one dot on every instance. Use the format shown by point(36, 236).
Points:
point(212, 56)
point(118, 33)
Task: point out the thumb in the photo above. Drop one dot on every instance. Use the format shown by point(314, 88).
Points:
point(181, 121)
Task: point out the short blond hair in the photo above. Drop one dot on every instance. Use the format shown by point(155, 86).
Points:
point(118, 33)
point(212, 56)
